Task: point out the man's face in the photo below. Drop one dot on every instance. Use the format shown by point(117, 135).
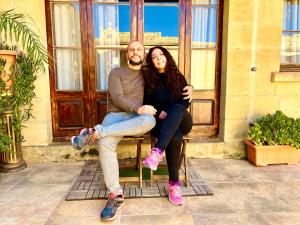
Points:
point(135, 53)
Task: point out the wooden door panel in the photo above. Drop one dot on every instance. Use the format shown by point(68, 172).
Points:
point(202, 111)
point(203, 65)
point(70, 113)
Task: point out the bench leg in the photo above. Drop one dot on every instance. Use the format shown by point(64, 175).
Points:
point(139, 162)
point(138, 154)
point(151, 172)
point(184, 159)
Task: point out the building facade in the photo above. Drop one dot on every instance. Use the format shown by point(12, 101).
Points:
point(242, 57)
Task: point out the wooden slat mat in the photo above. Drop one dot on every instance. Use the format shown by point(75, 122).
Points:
point(90, 185)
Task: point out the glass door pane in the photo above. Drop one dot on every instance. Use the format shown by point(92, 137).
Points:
point(204, 47)
point(203, 69)
point(111, 36)
point(161, 25)
point(67, 46)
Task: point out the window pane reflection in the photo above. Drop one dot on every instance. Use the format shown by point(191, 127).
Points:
point(161, 24)
point(203, 69)
point(290, 44)
point(290, 48)
point(106, 60)
point(111, 24)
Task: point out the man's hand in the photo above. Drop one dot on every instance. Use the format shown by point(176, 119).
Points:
point(188, 91)
point(162, 115)
point(149, 109)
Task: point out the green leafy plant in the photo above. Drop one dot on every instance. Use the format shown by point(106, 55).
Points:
point(20, 102)
point(276, 129)
point(15, 28)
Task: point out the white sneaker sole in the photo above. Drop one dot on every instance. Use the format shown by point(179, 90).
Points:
point(148, 166)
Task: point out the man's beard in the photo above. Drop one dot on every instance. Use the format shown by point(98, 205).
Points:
point(135, 63)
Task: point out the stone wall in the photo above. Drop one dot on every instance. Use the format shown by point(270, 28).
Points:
point(252, 39)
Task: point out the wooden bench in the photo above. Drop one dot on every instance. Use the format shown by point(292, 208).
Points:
point(183, 159)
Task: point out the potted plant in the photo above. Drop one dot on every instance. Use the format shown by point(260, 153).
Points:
point(274, 139)
point(16, 84)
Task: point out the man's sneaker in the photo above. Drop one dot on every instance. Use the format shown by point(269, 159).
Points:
point(113, 206)
point(175, 194)
point(153, 159)
point(84, 138)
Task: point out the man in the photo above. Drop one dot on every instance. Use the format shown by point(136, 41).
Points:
point(127, 116)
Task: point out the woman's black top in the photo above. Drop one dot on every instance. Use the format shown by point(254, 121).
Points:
point(162, 99)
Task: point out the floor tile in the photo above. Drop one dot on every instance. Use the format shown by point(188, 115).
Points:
point(180, 219)
point(229, 219)
point(282, 218)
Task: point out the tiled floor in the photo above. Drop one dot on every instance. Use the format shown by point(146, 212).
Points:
point(243, 194)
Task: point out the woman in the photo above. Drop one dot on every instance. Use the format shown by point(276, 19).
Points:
point(163, 90)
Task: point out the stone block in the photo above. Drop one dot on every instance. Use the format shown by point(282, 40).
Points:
point(36, 134)
point(239, 11)
point(236, 150)
point(235, 130)
point(240, 35)
point(262, 105)
point(290, 106)
point(270, 12)
point(286, 89)
point(237, 107)
point(267, 60)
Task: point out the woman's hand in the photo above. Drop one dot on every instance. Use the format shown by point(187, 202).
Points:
point(162, 115)
point(187, 92)
point(149, 109)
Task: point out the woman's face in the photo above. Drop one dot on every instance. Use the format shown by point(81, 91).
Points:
point(159, 60)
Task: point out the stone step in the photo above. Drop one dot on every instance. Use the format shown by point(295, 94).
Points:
point(64, 152)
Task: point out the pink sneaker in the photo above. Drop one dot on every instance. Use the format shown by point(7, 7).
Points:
point(153, 159)
point(175, 194)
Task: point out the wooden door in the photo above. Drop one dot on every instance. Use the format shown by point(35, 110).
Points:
point(191, 31)
point(86, 39)
point(203, 63)
point(67, 47)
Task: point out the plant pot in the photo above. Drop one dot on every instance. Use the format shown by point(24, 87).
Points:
point(271, 154)
point(11, 161)
point(10, 58)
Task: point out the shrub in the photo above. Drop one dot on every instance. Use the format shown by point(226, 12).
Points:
point(276, 129)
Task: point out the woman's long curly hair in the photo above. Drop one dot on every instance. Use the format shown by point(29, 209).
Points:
point(174, 79)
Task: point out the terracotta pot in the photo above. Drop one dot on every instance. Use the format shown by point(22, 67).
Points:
point(271, 154)
point(10, 57)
